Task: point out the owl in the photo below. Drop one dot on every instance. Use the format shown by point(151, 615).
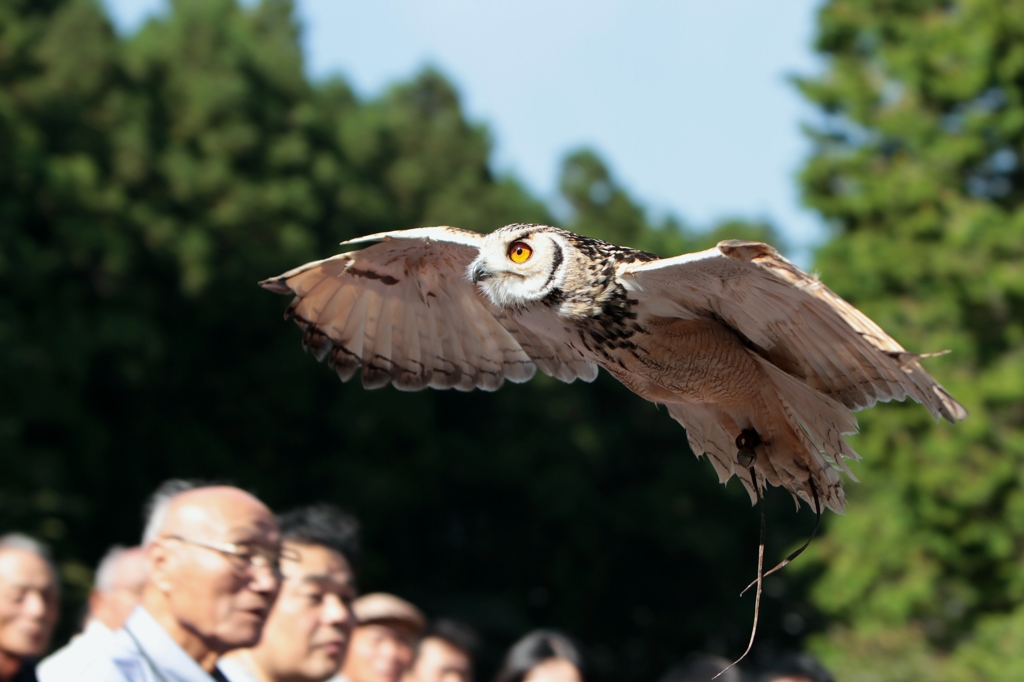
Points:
point(761, 363)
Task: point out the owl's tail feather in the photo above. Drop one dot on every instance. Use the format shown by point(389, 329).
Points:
point(805, 439)
point(801, 432)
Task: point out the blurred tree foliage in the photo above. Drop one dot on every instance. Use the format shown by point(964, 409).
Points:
point(918, 170)
point(148, 182)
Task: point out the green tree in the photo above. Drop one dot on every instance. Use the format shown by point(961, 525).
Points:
point(917, 169)
point(59, 97)
point(147, 183)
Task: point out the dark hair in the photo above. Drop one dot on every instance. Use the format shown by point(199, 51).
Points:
point(535, 648)
point(325, 525)
point(459, 635)
point(796, 665)
point(701, 668)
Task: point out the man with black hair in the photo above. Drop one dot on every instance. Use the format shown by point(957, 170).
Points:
point(444, 653)
point(308, 630)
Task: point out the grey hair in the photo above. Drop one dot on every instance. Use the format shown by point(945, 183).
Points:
point(106, 571)
point(23, 542)
point(27, 544)
point(155, 510)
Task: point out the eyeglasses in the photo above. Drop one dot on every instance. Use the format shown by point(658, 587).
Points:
point(243, 555)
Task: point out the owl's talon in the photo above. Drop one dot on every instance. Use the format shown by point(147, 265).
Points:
point(746, 442)
point(748, 438)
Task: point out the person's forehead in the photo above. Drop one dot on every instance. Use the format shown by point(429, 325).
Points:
point(228, 513)
point(251, 515)
point(131, 568)
point(21, 568)
point(254, 532)
point(395, 629)
point(306, 562)
point(442, 648)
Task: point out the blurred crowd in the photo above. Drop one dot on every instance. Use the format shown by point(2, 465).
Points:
point(222, 589)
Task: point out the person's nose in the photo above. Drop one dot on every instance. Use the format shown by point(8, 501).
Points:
point(387, 648)
point(336, 612)
point(265, 579)
point(34, 605)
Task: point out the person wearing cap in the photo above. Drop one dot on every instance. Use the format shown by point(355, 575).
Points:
point(308, 630)
point(382, 645)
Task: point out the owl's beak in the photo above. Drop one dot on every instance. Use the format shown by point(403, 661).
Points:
point(480, 273)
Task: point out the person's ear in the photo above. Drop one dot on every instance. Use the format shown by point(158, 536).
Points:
point(161, 561)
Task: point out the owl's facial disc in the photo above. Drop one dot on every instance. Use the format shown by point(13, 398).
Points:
point(516, 268)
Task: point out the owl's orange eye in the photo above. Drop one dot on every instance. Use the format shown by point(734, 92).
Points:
point(519, 252)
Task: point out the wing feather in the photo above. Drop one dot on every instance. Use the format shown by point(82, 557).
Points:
point(416, 374)
point(554, 358)
point(792, 319)
point(355, 325)
point(461, 346)
point(402, 311)
point(378, 366)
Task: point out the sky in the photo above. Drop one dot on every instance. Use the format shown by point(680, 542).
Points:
point(688, 101)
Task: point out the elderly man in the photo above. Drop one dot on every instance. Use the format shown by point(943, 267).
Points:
point(307, 632)
point(213, 556)
point(382, 643)
point(120, 577)
point(28, 605)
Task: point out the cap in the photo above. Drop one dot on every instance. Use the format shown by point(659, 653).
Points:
point(381, 606)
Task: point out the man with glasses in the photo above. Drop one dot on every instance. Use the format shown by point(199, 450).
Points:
point(213, 557)
point(307, 632)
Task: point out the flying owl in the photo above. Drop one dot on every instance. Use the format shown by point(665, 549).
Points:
point(761, 363)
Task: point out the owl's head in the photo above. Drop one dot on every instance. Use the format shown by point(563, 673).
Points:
point(519, 264)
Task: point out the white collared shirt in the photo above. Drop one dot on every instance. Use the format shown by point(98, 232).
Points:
point(142, 651)
point(234, 671)
point(68, 662)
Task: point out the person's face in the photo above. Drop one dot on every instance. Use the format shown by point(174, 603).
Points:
point(379, 652)
point(554, 670)
point(308, 630)
point(439, 661)
point(113, 606)
point(28, 603)
point(221, 598)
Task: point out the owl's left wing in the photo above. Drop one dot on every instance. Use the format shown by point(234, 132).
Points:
point(792, 319)
point(403, 311)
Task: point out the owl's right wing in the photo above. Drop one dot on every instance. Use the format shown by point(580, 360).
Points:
point(404, 312)
point(793, 320)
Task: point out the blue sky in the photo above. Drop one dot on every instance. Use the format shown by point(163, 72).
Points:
point(687, 100)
